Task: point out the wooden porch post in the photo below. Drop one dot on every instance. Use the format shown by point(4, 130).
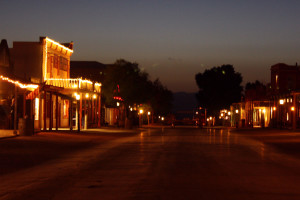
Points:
point(80, 112)
point(93, 110)
point(71, 114)
point(15, 110)
point(40, 111)
point(78, 115)
point(24, 104)
point(96, 111)
point(56, 113)
point(295, 111)
point(99, 111)
point(51, 113)
point(89, 109)
point(84, 114)
point(45, 110)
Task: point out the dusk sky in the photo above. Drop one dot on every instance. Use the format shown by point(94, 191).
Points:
point(171, 40)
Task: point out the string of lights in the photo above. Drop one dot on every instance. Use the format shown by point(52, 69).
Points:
point(21, 85)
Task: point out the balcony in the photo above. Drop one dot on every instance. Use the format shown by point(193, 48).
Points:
point(75, 84)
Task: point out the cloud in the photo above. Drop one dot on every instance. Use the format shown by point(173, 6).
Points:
point(175, 60)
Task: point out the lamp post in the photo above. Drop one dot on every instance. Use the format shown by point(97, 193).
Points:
point(281, 102)
point(78, 111)
point(140, 117)
point(237, 118)
point(149, 113)
point(274, 116)
point(295, 106)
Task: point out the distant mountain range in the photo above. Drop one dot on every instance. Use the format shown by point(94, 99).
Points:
point(184, 101)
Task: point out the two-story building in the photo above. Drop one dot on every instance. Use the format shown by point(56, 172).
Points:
point(59, 101)
point(285, 95)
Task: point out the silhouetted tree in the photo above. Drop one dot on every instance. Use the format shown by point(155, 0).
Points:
point(219, 87)
point(125, 79)
point(133, 84)
point(161, 98)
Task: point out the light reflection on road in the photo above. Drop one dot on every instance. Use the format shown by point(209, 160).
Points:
point(179, 163)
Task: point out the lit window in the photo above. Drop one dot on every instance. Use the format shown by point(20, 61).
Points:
point(281, 101)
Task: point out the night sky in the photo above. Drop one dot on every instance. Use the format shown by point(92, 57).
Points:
point(171, 40)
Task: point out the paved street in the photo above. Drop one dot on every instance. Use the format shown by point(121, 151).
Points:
point(181, 163)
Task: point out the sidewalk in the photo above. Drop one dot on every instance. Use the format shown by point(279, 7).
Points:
point(7, 134)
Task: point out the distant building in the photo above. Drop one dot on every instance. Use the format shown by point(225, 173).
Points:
point(285, 95)
point(274, 105)
point(95, 71)
point(257, 105)
point(284, 78)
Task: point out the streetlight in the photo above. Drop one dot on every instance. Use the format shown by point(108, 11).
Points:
point(281, 102)
point(140, 116)
point(148, 116)
point(292, 108)
point(236, 118)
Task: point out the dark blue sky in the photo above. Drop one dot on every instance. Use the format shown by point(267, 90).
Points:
point(171, 40)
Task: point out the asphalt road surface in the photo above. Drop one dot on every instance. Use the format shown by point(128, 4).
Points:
point(162, 163)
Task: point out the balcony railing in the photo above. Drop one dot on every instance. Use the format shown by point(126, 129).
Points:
point(75, 84)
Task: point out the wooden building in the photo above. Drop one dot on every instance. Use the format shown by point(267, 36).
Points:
point(59, 101)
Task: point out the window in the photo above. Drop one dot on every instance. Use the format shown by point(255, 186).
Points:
point(64, 64)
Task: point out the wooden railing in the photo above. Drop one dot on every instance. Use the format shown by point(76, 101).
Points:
point(75, 84)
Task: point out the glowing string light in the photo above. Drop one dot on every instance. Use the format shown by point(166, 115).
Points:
point(56, 43)
point(48, 40)
point(21, 85)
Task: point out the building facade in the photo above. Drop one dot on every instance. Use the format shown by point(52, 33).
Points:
point(59, 101)
point(285, 96)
